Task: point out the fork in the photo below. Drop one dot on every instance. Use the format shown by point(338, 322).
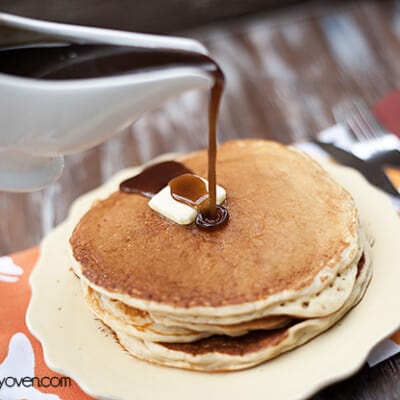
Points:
point(370, 141)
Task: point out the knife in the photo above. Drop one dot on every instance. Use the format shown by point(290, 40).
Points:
point(372, 172)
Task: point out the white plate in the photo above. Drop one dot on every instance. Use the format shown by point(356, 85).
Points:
point(75, 345)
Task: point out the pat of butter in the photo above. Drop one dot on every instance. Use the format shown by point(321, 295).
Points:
point(180, 213)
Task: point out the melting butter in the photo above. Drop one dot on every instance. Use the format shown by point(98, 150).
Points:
point(183, 214)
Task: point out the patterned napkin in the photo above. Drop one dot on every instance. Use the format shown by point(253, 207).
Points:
point(23, 372)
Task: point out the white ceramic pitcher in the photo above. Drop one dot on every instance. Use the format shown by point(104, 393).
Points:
point(41, 120)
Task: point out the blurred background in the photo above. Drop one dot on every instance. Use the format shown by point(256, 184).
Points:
point(287, 63)
point(151, 16)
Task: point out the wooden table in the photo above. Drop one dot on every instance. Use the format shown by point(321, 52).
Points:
point(285, 71)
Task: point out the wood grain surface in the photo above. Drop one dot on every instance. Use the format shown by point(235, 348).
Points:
point(285, 70)
point(155, 16)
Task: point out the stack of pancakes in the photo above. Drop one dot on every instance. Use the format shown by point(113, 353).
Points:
point(291, 261)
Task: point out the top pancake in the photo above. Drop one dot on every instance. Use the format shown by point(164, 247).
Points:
point(289, 221)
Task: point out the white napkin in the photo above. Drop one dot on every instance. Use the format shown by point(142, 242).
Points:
point(339, 135)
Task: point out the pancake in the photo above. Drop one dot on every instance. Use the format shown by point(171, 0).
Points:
point(327, 300)
point(141, 324)
point(292, 230)
point(291, 261)
point(122, 318)
point(222, 353)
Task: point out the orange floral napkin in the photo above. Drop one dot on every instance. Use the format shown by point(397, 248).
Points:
point(23, 372)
